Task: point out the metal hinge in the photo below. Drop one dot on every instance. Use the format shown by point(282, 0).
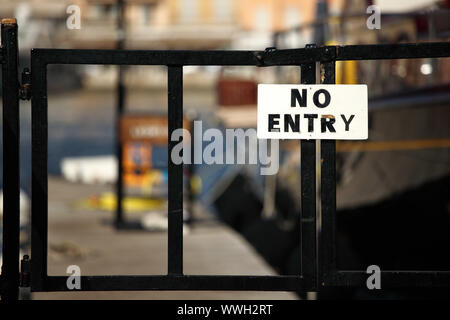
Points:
point(25, 86)
point(260, 55)
point(25, 272)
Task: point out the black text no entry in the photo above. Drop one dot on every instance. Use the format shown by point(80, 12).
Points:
point(312, 111)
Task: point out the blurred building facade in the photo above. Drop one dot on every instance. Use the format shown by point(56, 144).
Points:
point(221, 24)
point(179, 24)
point(162, 24)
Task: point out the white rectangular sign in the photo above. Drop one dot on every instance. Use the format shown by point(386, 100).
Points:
point(313, 111)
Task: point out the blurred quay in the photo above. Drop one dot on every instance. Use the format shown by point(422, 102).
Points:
point(393, 190)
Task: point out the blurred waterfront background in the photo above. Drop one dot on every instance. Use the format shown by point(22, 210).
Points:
point(379, 180)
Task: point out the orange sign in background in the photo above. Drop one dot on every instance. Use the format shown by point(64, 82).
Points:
point(138, 134)
point(147, 128)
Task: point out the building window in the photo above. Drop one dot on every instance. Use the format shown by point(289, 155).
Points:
point(147, 13)
point(291, 17)
point(188, 11)
point(262, 19)
point(223, 10)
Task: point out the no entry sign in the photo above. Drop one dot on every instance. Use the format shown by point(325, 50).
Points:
point(312, 112)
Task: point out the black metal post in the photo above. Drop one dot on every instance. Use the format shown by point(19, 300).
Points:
point(308, 231)
point(11, 177)
point(175, 181)
point(120, 110)
point(328, 191)
point(39, 172)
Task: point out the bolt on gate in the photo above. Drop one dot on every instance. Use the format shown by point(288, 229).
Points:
point(318, 248)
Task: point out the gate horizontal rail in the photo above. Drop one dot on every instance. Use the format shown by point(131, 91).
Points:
point(179, 282)
point(392, 279)
point(273, 57)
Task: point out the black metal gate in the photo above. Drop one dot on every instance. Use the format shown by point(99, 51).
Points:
point(318, 248)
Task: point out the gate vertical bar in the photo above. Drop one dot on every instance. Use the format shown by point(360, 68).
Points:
point(119, 112)
point(191, 171)
point(308, 196)
point(328, 191)
point(39, 170)
point(175, 181)
point(11, 177)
